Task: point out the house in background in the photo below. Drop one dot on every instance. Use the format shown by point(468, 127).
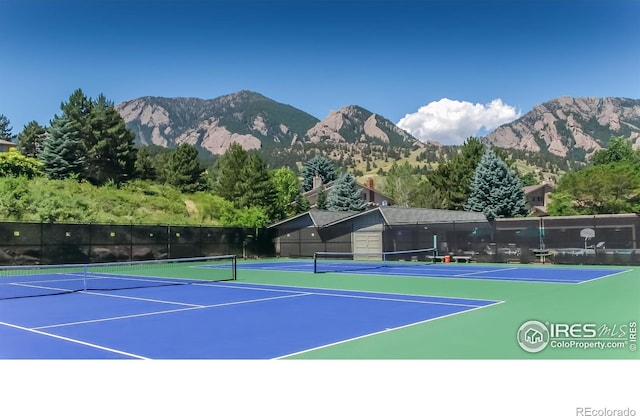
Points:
point(538, 198)
point(371, 196)
point(381, 229)
point(5, 145)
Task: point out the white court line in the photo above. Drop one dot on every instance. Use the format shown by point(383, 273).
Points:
point(84, 292)
point(311, 289)
point(486, 271)
point(76, 341)
point(383, 331)
point(607, 275)
point(504, 279)
point(339, 295)
point(114, 318)
point(426, 302)
point(169, 302)
point(507, 279)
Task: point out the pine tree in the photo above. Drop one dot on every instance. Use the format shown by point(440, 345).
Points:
point(257, 188)
point(344, 195)
point(321, 201)
point(31, 139)
point(5, 129)
point(184, 170)
point(452, 179)
point(63, 152)
point(228, 172)
point(317, 165)
point(495, 189)
point(144, 165)
point(111, 154)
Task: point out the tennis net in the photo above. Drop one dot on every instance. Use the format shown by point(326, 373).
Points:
point(327, 261)
point(45, 280)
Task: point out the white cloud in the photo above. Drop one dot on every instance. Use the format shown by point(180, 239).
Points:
point(452, 122)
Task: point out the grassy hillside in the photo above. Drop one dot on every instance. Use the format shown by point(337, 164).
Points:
point(41, 199)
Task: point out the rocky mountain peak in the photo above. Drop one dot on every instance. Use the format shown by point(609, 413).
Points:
point(571, 127)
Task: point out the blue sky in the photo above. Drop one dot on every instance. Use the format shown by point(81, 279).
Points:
point(448, 69)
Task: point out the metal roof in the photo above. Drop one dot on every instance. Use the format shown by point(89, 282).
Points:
point(399, 215)
point(392, 216)
point(318, 217)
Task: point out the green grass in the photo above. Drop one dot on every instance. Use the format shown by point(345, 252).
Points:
point(486, 333)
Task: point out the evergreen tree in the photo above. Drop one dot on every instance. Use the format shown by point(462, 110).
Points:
point(495, 189)
point(111, 154)
point(5, 129)
point(63, 154)
point(317, 165)
point(321, 201)
point(184, 170)
point(144, 166)
point(227, 173)
point(107, 147)
point(453, 178)
point(302, 204)
point(344, 195)
point(257, 188)
point(31, 139)
point(77, 111)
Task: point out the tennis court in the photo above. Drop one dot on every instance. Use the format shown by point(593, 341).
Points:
point(220, 308)
point(457, 271)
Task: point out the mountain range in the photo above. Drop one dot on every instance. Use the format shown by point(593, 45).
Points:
point(567, 127)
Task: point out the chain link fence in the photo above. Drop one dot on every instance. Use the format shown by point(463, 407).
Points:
point(60, 243)
point(600, 239)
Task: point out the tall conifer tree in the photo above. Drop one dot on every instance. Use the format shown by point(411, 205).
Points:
point(183, 169)
point(63, 153)
point(317, 165)
point(344, 195)
point(495, 189)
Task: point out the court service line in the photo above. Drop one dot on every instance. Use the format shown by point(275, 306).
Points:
point(425, 302)
point(310, 290)
point(340, 295)
point(138, 315)
point(76, 341)
point(169, 302)
point(384, 331)
point(485, 278)
point(606, 275)
point(487, 271)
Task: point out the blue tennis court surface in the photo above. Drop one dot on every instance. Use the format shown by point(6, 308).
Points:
point(222, 320)
point(510, 272)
